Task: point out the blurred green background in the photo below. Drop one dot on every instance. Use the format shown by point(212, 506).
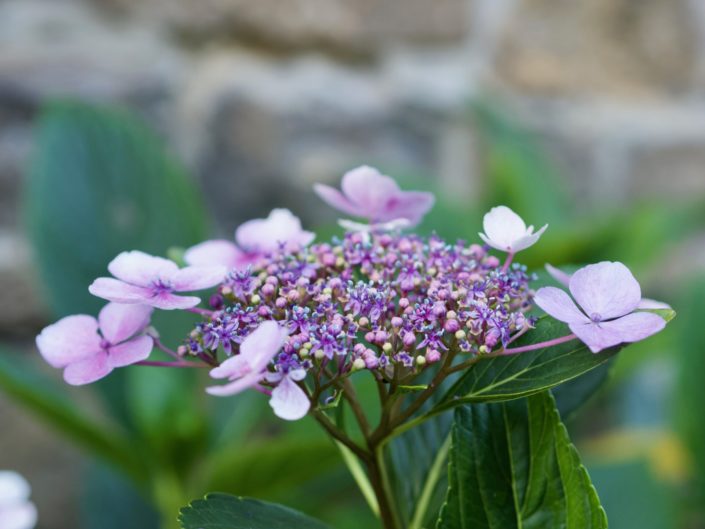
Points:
point(153, 125)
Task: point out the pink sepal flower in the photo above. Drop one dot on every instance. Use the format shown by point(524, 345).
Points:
point(89, 349)
point(254, 239)
point(607, 295)
point(644, 304)
point(16, 511)
point(369, 194)
point(248, 368)
point(147, 280)
point(507, 231)
point(289, 401)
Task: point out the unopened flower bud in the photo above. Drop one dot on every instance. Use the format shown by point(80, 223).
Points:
point(420, 360)
point(358, 364)
point(268, 289)
point(451, 315)
point(363, 322)
point(280, 303)
point(460, 334)
point(182, 350)
point(397, 322)
point(387, 347)
point(492, 261)
point(319, 354)
point(370, 336)
point(432, 355)
point(451, 325)
point(409, 339)
point(255, 299)
point(226, 291)
point(403, 303)
point(293, 295)
point(216, 301)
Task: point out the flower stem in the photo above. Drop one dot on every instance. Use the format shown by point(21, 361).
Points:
point(169, 364)
point(540, 345)
point(508, 261)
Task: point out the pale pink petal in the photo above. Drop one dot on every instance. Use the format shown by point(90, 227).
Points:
point(281, 227)
point(13, 488)
point(262, 344)
point(120, 321)
point(217, 252)
point(336, 199)
point(197, 277)
point(370, 190)
point(237, 386)
point(88, 370)
point(166, 301)
point(558, 304)
point(68, 340)
point(234, 367)
point(502, 228)
point(118, 291)
point(19, 516)
point(528, 240)
point(130, 352)
point(409, 205)
point(652, 304)
point(627, 329)
point(606, 290)
point(139, 268)
point(557, 274)
point(289, 401)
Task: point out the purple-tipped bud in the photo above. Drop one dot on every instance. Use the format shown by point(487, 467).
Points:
point(451, 325)
point(280, 303)
point(439, 309)
point(432, 355)
point(264, 311)
point(492, 261)
point(380, 337)
point(293, 296)
point(268, 290)
point(370, 337)
point(409, 339)
point(397, 322)
point(272, 280)
point(403, 303)
point(492, 338)
point(359, 348)
point(216, 301)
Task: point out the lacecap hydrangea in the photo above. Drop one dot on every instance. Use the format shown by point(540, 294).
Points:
point(293, 318)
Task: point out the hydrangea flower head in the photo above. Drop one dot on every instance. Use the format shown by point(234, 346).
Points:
point(89, 349)
point(148, 280)
point(16, 511)
point(280, 231)
point(607, 294)
point(507, 231)
point(382, 302)
point(369, 194)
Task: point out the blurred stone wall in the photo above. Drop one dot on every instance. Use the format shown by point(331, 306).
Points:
point(262, 98)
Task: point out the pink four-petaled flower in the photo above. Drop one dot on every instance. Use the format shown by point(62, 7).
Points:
point(281, 230)
point(148, 280)
point(608, 295)
point(89, 349)
point(369, 194)
point(249, 367)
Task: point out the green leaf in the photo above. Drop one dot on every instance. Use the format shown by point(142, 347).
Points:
point(690, 390)
point(512, 465)
point(509, 377)
point(20, 381)
point(100, 183)
point(419, 486)
point(221, 511)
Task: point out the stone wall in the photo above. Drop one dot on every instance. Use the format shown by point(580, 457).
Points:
point(260, 99)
